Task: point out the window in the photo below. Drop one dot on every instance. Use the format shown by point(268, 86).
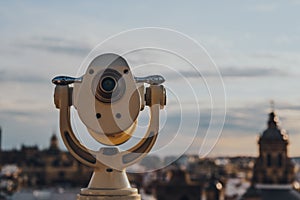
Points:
point(184, 198)
point(61, 174)
point(269, 160)
point(279, 160)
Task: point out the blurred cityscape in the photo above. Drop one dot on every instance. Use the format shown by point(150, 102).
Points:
point(33, 173)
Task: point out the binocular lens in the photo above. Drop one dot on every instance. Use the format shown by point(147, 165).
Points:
point(108, 84)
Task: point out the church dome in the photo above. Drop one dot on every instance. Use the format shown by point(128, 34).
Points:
point(53, 137)
point(273, 132)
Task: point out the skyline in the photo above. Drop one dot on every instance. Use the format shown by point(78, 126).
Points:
point(256, 48)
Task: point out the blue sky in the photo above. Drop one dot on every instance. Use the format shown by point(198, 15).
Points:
point(255, 44)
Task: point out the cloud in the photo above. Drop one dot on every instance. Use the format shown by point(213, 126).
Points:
point(295, 2)
point(21, 77)
point(56, 45)
point(288, 107)
point(252, 72)
point(265, 8)
point(229, 72)
point(13, 113)
point(246, 120)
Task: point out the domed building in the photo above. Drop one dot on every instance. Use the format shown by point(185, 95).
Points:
point(273, 171)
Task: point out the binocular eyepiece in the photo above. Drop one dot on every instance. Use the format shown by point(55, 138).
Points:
point(109, 86)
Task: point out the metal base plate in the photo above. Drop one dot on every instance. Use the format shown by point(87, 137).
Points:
point(106, 194)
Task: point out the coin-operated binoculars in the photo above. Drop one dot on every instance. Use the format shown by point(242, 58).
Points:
point(108, 99)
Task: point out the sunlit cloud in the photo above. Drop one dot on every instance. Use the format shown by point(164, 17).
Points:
point(56, 45)
point(265, 7)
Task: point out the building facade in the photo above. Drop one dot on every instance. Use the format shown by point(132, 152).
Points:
point(273, 172)
point(46, 167)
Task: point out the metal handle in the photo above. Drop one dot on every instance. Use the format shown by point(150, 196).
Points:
point(152, 80)
point(66, 80)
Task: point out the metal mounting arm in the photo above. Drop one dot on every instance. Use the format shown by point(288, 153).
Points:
point(120, 160)
point(62, 100)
